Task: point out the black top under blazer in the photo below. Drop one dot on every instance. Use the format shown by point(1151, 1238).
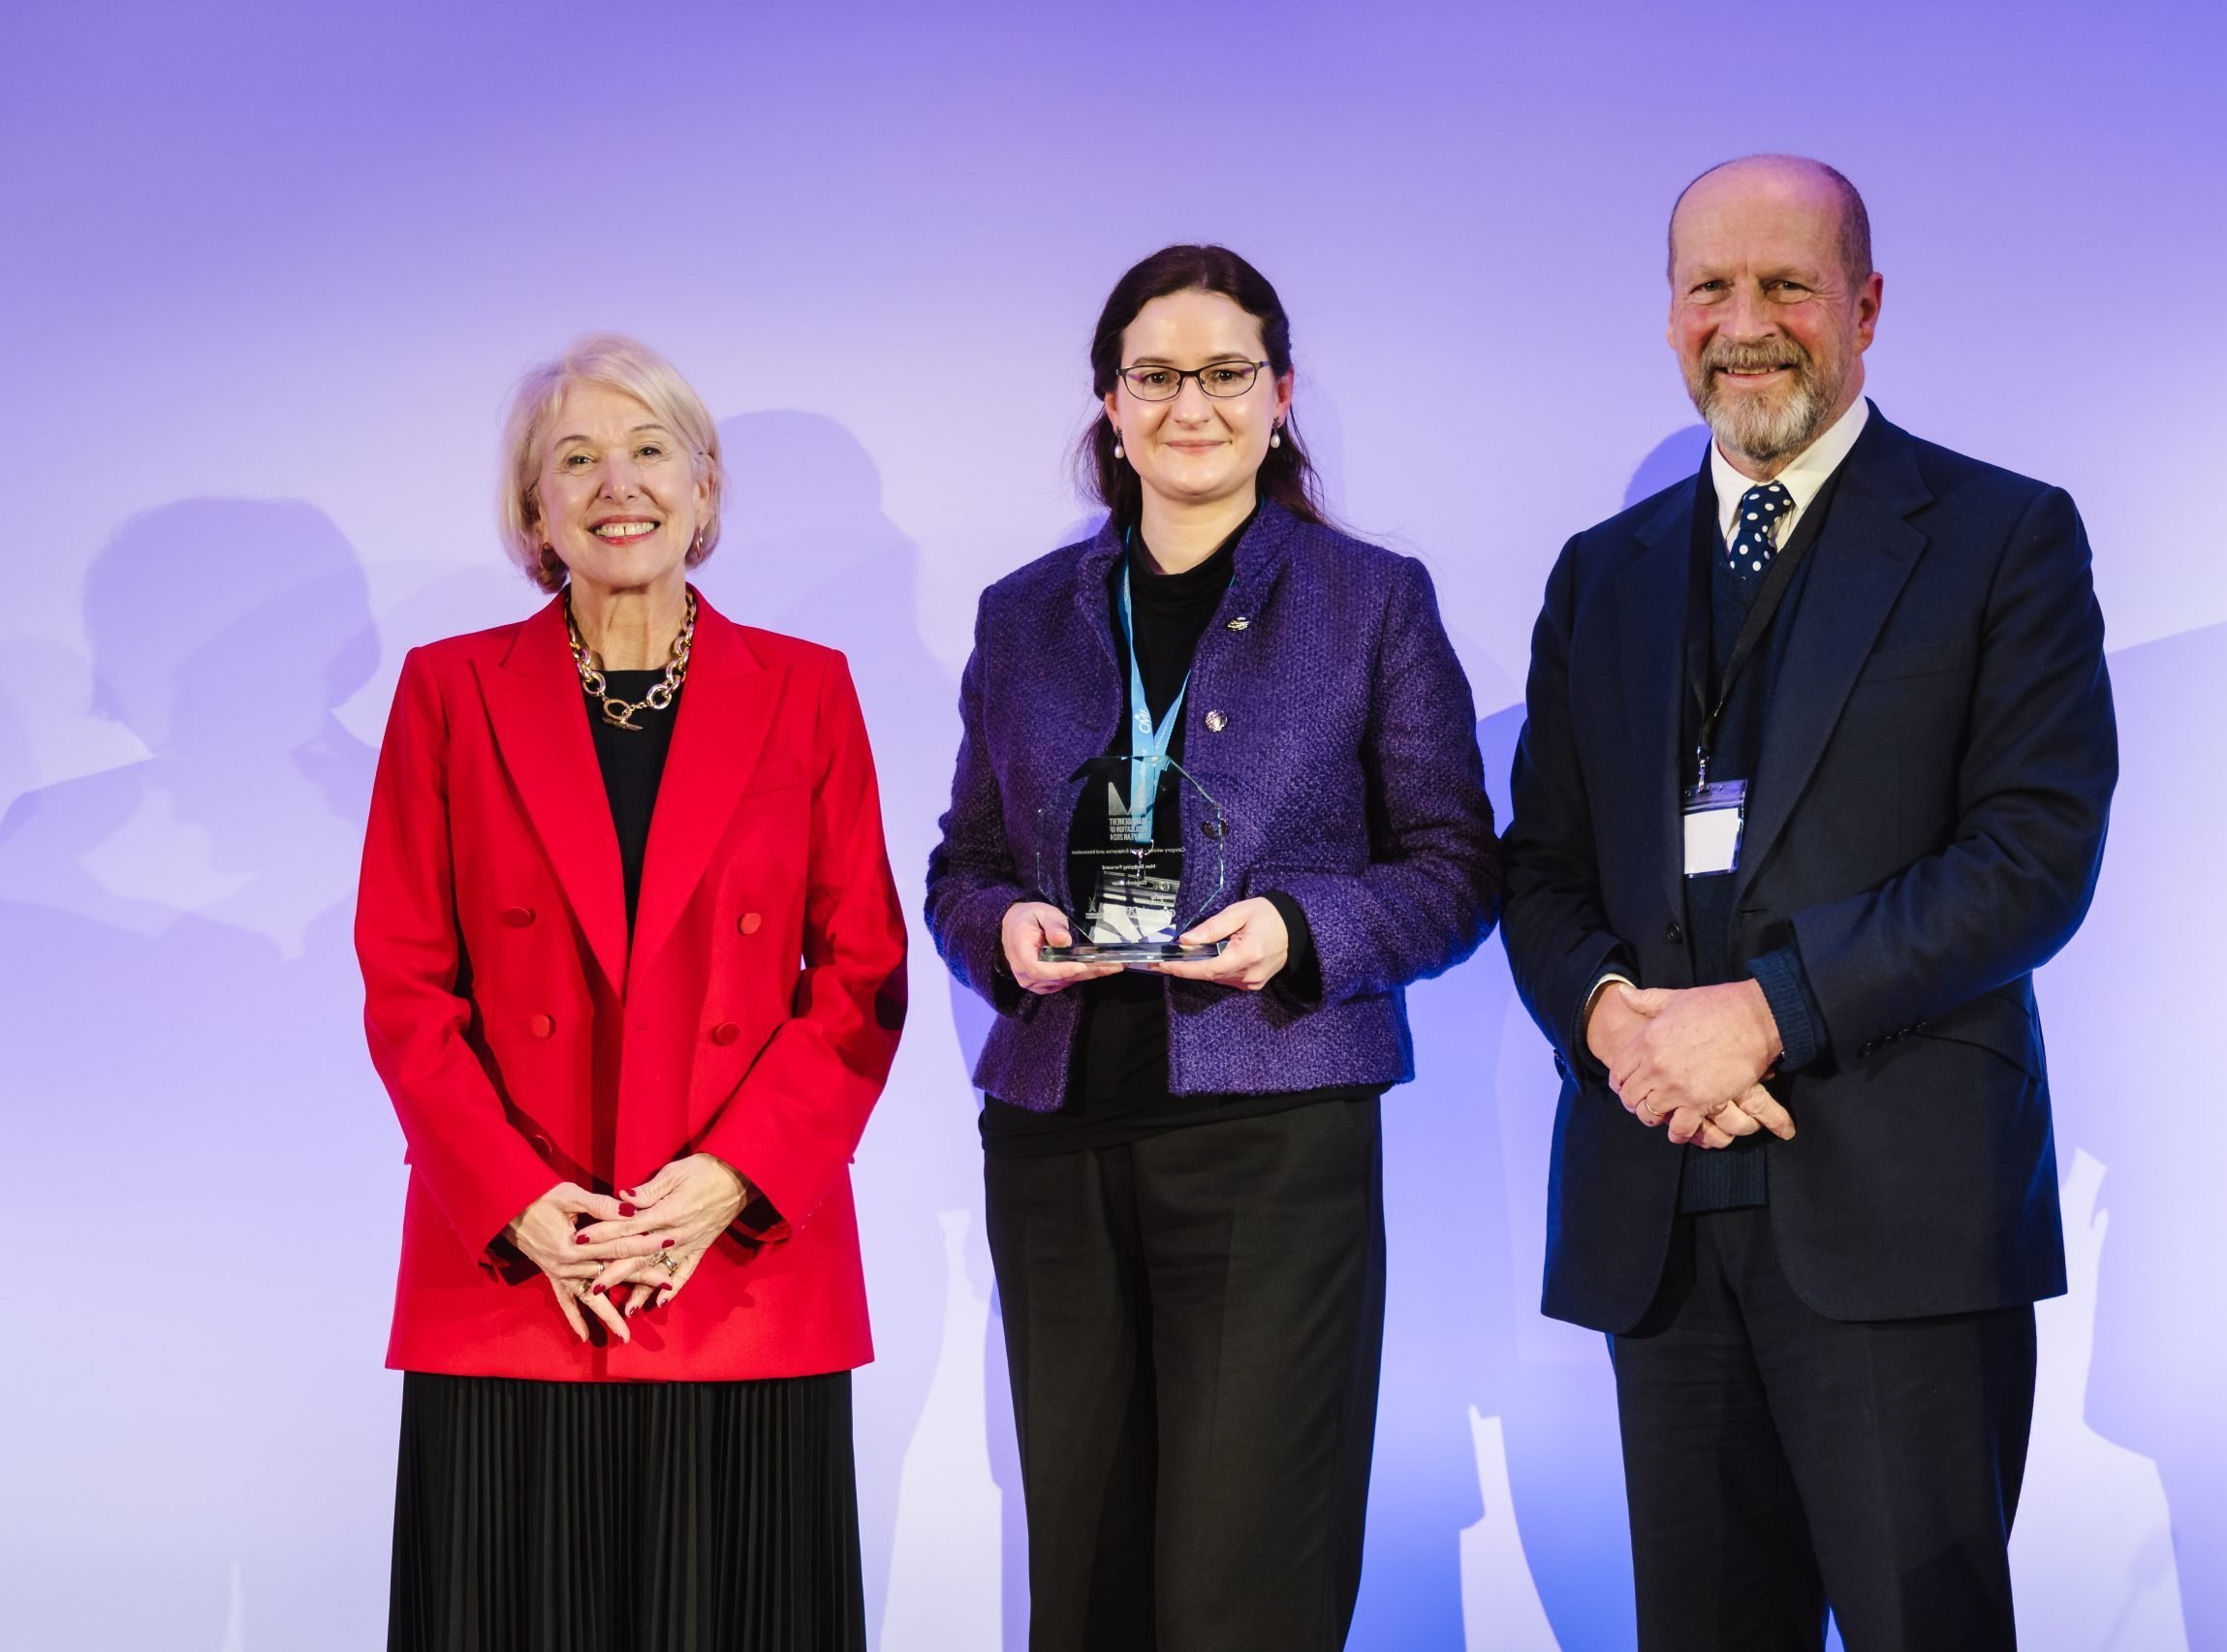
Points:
point(1925, 827)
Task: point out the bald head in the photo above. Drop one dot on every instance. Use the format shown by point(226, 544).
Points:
point(1789, 185)
point(1772, 303)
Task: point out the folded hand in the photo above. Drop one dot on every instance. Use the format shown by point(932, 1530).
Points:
point(1696, 1047)
point(1756, 1109)
point(544, 1234)
point(652, 1241)
point(1617, 1031)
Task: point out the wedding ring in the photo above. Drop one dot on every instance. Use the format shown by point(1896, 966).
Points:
point(670, 1266)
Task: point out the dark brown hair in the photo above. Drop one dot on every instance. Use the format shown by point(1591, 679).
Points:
point(1285, 474)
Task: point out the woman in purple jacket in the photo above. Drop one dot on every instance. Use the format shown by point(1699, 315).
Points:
point(1217, 721)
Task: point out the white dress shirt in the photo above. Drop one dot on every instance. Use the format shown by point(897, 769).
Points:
point(1804, 475)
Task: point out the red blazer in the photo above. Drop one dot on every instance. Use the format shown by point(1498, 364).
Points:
point(525, 1042)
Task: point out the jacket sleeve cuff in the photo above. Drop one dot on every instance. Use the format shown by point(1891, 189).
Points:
point(1005, 993)
point(1793, 1006)
point(1298, 983)
point(758, 1222)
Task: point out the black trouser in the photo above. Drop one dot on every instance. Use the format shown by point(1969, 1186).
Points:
point(1193, 1322)
point(1777, 1460)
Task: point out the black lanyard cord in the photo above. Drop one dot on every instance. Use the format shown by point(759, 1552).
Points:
point(1751, 634)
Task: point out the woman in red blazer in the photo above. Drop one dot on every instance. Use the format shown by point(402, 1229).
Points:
point(634, 974)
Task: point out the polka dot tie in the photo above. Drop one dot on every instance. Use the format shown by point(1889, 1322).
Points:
point(1755, 533)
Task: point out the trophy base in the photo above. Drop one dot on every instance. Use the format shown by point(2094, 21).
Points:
point(1128, 952)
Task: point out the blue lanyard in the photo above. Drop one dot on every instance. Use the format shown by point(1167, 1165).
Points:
point(1148, 745)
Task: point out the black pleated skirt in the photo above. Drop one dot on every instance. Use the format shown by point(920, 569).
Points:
point(538, 1516)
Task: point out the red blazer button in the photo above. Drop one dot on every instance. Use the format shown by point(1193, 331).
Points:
point(726, 1032)
point(518, 917)
point(540, 1143)
point(748, 922)
point(542, 1026)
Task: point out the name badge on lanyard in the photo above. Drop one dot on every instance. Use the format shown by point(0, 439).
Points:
point(1714, 815)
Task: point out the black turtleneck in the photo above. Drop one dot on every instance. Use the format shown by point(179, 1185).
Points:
point(1117, 1087)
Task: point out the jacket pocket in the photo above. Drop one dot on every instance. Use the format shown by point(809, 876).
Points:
point(1894, 664)
point(1995, 1023)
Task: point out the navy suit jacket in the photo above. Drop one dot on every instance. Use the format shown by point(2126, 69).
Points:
point(1923, 828)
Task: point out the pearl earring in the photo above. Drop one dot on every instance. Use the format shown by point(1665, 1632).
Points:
point(1276, 436)
point(1117, 444)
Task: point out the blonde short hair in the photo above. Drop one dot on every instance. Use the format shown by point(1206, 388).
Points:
point(634, 369)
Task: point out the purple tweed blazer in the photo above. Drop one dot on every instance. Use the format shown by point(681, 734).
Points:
point(1334, 728)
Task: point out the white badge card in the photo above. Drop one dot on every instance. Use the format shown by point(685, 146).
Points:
point(1714, 815)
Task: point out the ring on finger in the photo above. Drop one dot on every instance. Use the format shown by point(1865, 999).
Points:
point(671, 1268)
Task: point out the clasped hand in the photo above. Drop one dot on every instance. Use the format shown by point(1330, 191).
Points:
point(1693, 1060)
point(647, 1242)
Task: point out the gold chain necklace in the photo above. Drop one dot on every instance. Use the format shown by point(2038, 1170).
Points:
point(620, 713)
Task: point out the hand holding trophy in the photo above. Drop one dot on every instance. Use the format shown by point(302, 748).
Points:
point(1130, 868)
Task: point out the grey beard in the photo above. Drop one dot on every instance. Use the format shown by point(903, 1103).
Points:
point(1766, 433)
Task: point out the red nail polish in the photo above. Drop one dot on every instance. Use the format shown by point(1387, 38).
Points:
point(626, 1210)
point(580, 1239)
point(668, 1245)
point(595, 1290)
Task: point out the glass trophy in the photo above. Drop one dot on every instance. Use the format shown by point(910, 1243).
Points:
point(1134, 880)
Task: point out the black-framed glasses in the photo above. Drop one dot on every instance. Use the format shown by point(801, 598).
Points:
point(1221, 379)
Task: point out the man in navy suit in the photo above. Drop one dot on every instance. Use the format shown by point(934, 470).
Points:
point(1816, 766)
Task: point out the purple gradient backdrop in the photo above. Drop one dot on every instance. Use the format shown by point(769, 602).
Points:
point(273, 269)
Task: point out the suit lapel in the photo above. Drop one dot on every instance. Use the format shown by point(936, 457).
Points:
point(533, 701)
point(1259, 562)
point(1651, 597)
point(727, 710)
point(1093, 572)
point(1860, 564)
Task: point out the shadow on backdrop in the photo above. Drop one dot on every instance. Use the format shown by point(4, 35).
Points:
point(2121, 1006)
point(1669, 462)
point(207, 1166)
